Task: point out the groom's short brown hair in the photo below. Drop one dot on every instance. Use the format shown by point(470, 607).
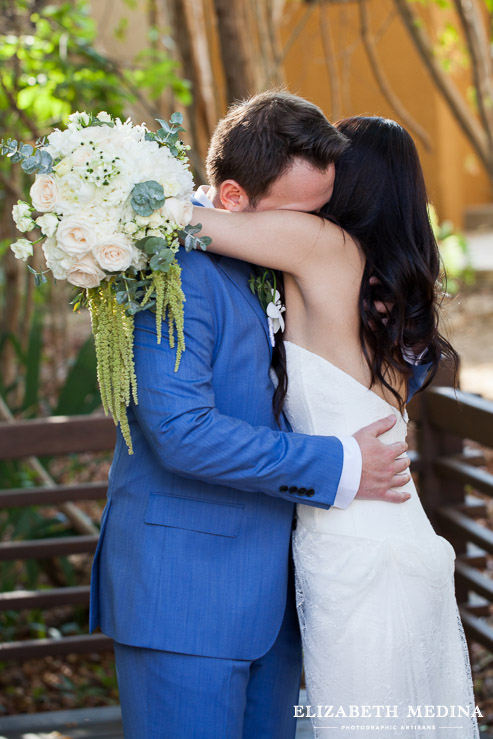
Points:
point(259, 138)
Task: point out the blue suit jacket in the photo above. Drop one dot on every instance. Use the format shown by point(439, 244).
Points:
point(195, 536)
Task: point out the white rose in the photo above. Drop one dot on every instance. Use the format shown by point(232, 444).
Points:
point(178, 211)
point(44, 193)
point(75, 236)
point(47, 223)
point(114, 253)
point(85, 272)
point(130, 228)
point(22, 248)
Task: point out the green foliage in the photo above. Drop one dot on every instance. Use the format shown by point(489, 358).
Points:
point(56, 69)
point(264, 286)
point(79, 393)
point(147, 197)
point(454, 253)
point(191, 240)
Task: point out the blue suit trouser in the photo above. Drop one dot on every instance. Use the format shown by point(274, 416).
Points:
point(166, 695)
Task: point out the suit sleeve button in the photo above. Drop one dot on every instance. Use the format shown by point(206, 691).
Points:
point(302, 491)
point(310, 492)
point(293, 489)
point(283, 488)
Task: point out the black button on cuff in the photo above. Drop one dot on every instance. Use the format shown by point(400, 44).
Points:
point(293, 489)
point(302, 491)
point(283, 489)
point(310, 492)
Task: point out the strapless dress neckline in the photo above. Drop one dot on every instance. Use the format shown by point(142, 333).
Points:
point(348, 376)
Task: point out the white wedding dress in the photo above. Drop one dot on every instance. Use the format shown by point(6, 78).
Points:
point(374, 587)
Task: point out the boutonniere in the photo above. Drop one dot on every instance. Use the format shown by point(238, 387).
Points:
point(265, 288)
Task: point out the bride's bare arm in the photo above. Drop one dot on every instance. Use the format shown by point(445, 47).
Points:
point(280, 239)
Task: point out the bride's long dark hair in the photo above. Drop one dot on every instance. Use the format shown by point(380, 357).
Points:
point(380, 200)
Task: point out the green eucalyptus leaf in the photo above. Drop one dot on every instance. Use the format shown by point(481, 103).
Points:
point(164, 124)
point(153, 244)
point(147, 197)
point(46, 162)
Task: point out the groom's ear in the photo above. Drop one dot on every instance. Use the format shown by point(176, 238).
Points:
point(232, 196)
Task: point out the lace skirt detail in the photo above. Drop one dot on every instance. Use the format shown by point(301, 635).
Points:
point(381, 630)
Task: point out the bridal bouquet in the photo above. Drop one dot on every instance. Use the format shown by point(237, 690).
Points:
point(111, 201)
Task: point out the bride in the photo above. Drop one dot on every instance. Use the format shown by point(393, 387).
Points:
point(384, 647)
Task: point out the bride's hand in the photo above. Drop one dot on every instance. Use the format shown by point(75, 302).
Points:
point(382, 470)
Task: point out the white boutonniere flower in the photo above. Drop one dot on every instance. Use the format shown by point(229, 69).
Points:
point(274, 311)
point(264, 287)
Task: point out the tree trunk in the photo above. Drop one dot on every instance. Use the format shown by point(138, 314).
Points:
point(235, 41)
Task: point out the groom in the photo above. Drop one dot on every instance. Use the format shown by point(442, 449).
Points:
point(192, 576)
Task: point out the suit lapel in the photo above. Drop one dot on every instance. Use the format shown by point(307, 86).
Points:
point(239, 273)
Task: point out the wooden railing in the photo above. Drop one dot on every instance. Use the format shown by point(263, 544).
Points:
point(52, 436)
point(448, 477)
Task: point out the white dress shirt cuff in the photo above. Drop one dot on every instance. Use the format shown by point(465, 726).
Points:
point(351, 472)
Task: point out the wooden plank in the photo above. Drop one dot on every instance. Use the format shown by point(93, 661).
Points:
point(56, 435)
point(463, 414)
point(475, 580)
point(34, 648)
point(472, 507)
point(468, 529)
point(18, 497)
point(482, 610)
point(477, 629)
point(41, 548)
point(474, 560)
point(454, 469)
point(16, 600)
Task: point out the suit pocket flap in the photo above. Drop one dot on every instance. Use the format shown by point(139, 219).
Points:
point(222, 519)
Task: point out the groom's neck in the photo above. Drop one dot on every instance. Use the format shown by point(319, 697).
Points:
point(213, 196)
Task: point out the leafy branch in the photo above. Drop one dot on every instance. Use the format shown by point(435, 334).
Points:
point(191, 241)
point(38, 162)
